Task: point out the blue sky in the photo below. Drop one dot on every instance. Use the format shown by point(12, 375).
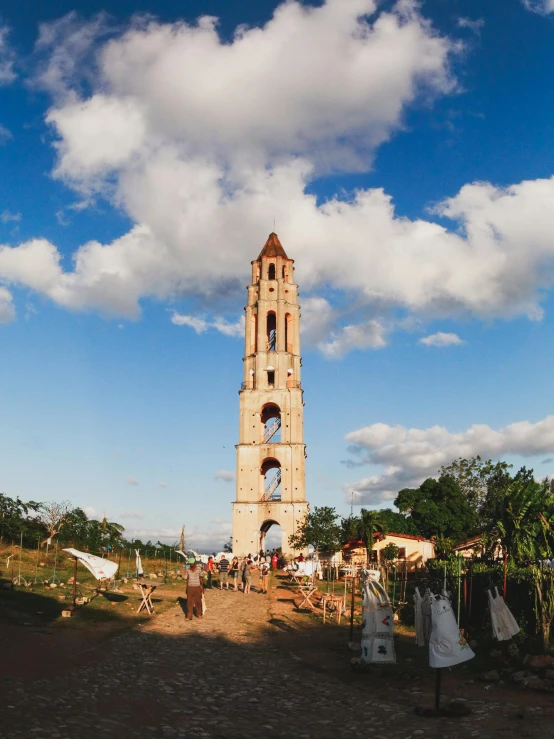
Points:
point(405, 152)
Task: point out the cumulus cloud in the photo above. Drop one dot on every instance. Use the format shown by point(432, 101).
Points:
point(409, 456)
point(90, 511)
point(131, 514)
point(8, 217)
point(201, 325)
point(441, 339)
point(208, 538)
point(543, 7)
point(7, 309)
point(7, 58)
point(224, 475)
point(132, 481)
point(329, 85)
point(5, 135)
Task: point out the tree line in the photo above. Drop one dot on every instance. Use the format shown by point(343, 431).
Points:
point(470, 498)
point(39, 523)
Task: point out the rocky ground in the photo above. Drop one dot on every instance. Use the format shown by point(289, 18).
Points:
point(252, 667)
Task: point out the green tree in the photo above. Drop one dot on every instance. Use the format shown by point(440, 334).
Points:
point(15, 516)
point(318, 529)
point(398, 522)
point(526, 520)
point(369, 524)
point(390, 552)
point(439, 508)
point(474, 476)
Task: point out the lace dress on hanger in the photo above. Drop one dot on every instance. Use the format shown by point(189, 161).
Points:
point(504, 625)
point(447, 647)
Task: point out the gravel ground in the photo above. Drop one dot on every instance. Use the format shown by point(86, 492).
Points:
point(234, 673)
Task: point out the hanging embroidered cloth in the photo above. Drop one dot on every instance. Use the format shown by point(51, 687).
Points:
point(100, 568)
point(426, 615)
point(504, 625)
point(377, 622)
point(447, 647)
point(138, 563)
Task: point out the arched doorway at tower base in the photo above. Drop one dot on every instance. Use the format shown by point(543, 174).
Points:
point(275, 539)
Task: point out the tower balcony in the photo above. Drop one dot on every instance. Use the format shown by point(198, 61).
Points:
point(290, 384)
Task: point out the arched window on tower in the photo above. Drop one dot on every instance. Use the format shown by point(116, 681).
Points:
point(271, 424)
point(271, 331)
point(284, 273)
point(254, 334)
point(288, 333)
point(271, 272)
point(271, 482)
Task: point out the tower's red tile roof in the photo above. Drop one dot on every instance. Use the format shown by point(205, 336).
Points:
point(273, 248)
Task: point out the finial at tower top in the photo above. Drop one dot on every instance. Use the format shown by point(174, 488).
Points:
point(273, 247)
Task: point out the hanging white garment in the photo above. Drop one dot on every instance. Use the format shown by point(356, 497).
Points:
point(426, 615)
point(504, 625)
point(100, 568)
point(377, 622)
point(419, 635)
point(447, 647)
point(138, 564)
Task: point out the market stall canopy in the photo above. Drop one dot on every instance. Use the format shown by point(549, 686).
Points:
point(100, 568)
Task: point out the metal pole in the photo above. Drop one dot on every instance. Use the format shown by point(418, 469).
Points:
point(36, 565)
point(74, 582)
point(438, 691)
point(352, 608)
point(394, 586)
point(20, 550)
point(444, 582)
point(459, 586)
point(129, 564)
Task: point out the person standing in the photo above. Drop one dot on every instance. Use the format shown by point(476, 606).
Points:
point(274, 561)
point(264, 575)
point(195, 590)
point(235, 572)
point(210, 572)
point(223, 572)
point(246, 569)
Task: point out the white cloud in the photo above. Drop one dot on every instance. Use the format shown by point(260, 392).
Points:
point(5, 135)
point(543, 7)
point(409, 456)
point(201, 325)
point(90, 511)
point(131, 514)
point(201, 187)
point(7, 58)
point(362, 336)
point(162, 484)
point(132, 481)
point(7, 217)
point(209, 538)
point(441, 339)
point(7, 309)
point(224, 475)
point(474, 25)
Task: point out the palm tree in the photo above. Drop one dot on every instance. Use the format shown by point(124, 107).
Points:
point(369, 524)
point(525, 520)
point(110, 531)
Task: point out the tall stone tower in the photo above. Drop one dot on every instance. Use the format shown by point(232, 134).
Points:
point(271, 486)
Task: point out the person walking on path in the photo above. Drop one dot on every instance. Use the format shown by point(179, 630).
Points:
point(223, 572)
point(195, 589)
point(235, 572)
point(246, 569)
point(264, 575)
point(210, 571)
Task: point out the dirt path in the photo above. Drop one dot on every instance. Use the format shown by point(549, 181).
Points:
point(244, 670)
